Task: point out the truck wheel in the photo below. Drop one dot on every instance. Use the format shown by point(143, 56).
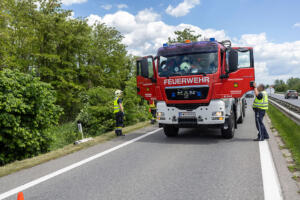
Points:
point(229, 132)
point(241, 118)
point(171, 131)
point(244, 108)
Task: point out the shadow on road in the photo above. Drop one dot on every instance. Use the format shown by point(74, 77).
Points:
point(188, 136)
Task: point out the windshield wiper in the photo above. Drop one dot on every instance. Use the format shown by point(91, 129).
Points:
point(202, 73)
point(176, 74)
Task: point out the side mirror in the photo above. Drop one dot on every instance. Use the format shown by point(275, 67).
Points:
point(153, 80)
point(223, 76)
point(144, 68)
point(232, 59)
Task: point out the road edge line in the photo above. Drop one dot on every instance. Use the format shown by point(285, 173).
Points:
point(271, 184)
point(72, 166)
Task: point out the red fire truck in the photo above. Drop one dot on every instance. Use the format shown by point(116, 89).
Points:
point(197, 84)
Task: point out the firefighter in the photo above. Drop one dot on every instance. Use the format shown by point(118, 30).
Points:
point(260, 105)
point(153, 111)
point(119, 113)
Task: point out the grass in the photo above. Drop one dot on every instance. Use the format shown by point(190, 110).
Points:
point(63, 135)
point(61, 149)
point(289, 132)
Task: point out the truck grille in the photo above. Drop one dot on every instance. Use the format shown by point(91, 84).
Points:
point(190, 106)
point(187, 121)
point(187, 93)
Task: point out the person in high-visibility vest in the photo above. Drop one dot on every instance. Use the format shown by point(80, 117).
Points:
point(153, 111)
point(260, 105)
point(119, 113)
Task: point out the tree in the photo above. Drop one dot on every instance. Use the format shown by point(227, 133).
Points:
point(280, 86)
point(182, 36)
point(293, 83)
point(65, 52)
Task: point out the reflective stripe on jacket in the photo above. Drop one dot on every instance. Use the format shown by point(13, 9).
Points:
point(263, 103)
point(116, 105)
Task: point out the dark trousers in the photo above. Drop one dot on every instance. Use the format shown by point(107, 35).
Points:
point(119, 122)
point(259, 116)
point(153, 112)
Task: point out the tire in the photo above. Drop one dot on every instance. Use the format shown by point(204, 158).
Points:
point(244, 109)
point(240, 119)
point(171, 131)
point(243, 113)
point(229, 132)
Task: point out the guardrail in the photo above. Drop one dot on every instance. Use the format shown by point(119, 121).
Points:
point(286, 104)
point(289, 109)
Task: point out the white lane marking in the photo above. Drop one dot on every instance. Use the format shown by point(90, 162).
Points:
point(70, 167)
point(272, 189)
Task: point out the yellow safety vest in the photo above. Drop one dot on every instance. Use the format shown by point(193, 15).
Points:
point(152, 105)
point(116, 105)
point(263, 103)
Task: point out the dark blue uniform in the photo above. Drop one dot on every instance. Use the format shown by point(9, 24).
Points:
point(259, 116)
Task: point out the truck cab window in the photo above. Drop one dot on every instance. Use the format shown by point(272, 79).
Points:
point(139, 69)
point(244, 59)
point(150, 68)
point(188, 64)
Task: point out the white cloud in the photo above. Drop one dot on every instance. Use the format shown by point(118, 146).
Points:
point(144, 35)
point(106, 7)
point(93, 19)
point(123, 21)
point(297, 25)
point(121, 6)
point(273, 60)
point(70, 2)
point(182, 9)
point(72, 16)
point(147, 15)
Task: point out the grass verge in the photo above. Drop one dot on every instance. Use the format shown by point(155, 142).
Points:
point(27, 163)
point(289, 132)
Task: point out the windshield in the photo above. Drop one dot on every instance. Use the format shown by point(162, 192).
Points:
point(191, 64)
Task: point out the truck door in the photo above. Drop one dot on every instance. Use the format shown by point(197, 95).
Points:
point(240, 79)
point(146, 78)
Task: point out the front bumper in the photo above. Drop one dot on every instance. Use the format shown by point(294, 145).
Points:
point(203, 115)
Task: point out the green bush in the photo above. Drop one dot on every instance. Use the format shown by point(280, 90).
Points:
point(135, 108)
point(97, 115)
point(27, 109)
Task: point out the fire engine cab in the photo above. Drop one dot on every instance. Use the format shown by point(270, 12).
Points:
point(197, 84)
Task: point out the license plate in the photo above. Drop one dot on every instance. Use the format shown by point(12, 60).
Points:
point(187, 114)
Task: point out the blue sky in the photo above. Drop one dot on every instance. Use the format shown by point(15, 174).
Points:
point(237, 17)
point(272, 27)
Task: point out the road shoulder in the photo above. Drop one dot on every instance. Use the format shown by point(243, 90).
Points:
point(288, 185)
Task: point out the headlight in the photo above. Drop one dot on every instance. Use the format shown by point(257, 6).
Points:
point(218, 113)
point(160, 116)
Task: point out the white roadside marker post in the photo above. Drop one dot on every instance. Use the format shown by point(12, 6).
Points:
point(82, 136)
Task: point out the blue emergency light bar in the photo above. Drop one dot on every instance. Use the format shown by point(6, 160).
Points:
point(212, 39)
point(165, 45)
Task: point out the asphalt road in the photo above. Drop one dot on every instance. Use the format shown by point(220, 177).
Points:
point(198, 164)
point(295, 102)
